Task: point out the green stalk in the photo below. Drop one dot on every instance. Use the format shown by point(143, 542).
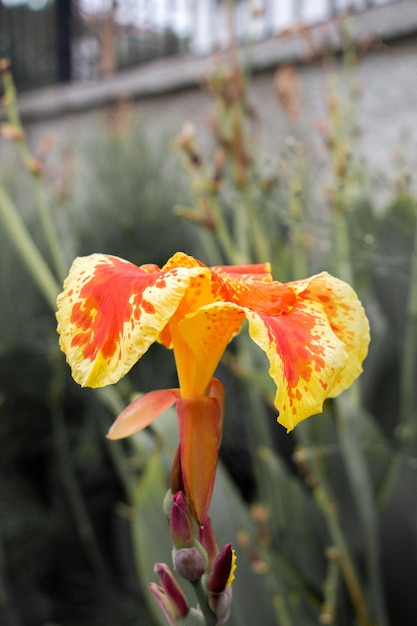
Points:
point(48, 286)
point(360, 483)
point(259, 439)
point(221, 230)
point(76, 502)
point(210, 618)
point(259, 243)
point(27, 249)
point(329, 509)
point(281, 609)
point(68, 477)
point(110, 397)
point(331, 585)
point(408, 424)
point(33, 168)
point(353, 458)
point(346, 563)
point(407, 427)
point(341, 253)
point(297, 228)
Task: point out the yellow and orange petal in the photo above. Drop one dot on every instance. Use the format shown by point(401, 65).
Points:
point(348, 321)
point(315, 347)
point(111, 311)
point(200, 339)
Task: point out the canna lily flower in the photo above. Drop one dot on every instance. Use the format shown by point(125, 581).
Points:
point(313, 331)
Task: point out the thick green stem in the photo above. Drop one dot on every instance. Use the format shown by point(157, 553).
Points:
point(210, 618)
point(33, 168)
point(27, 249)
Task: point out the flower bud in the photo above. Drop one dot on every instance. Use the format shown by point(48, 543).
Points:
point(222, 571)
point(208, 540)
point(219, 583)
point(169, 596)
point(190, 563)
point(181, 523)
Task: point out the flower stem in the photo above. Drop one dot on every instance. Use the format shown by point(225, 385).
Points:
point(408, 424)
point(69, 483)
point(222, 232)
point(27, 249)
point(331, 584)
point(329, 509)
point(407, 427)
point(364, 500)
point(109, 397)
point(210, 618)
point(33, 168)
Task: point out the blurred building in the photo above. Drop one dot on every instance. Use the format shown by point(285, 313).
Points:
point(51, 41)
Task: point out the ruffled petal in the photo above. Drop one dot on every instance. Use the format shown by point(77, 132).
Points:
point(111, 311)
point(247, 273)
point(347, 319)
point(142, 412)
point(305, 355)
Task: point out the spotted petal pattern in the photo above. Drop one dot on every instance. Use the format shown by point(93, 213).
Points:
point(313, 331)
point(110, 313)
point(315, 340)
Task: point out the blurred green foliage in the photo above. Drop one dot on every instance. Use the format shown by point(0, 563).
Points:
point(72, 567)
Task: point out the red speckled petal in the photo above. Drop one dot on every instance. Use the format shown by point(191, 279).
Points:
point(142, 412)
point(347, 319)
point(305, 358)
point(111, 311)
point(257, 271)
point(315, 348)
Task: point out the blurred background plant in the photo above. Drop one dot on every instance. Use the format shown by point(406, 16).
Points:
point(319, 517)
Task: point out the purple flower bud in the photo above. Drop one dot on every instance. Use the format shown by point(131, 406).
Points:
point(190, 563)
point(169, 596)
point(222, 571)
point(181, 523)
